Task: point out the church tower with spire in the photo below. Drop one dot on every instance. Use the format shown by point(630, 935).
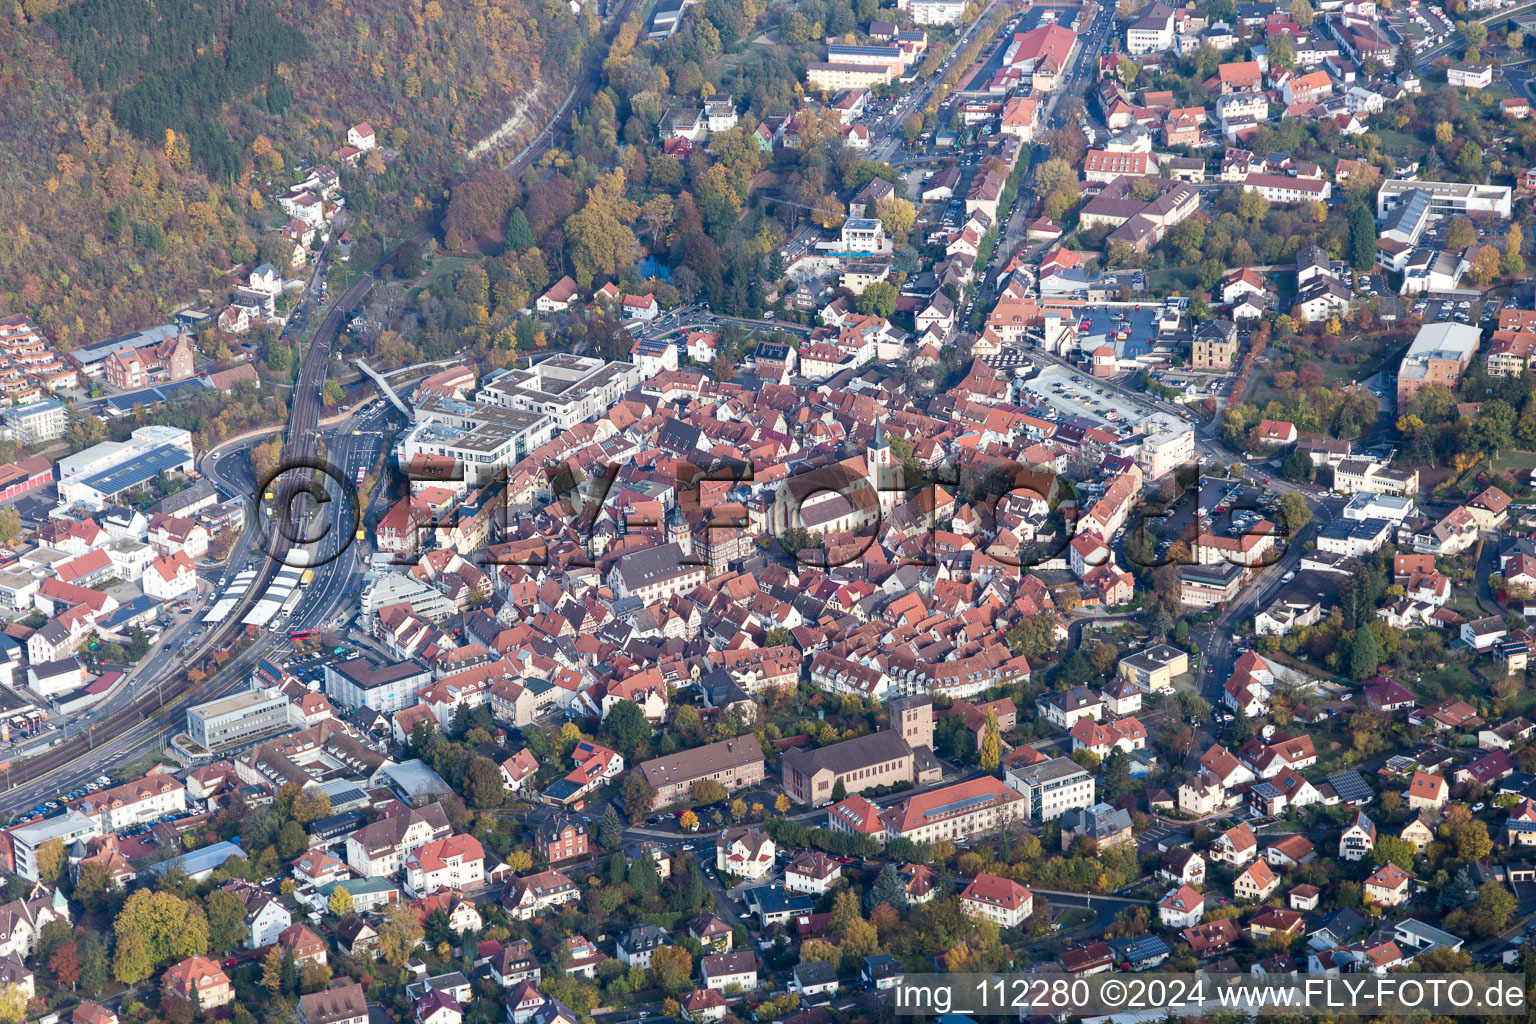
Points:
point(883, 471)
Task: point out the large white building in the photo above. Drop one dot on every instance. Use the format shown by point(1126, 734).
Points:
point(933, 12)
point(102, 472)
point(1051, 788)
point(569, 389)
point(1448, 197)
point(387, 689)
point(132, 803)
point(1152, 31)
point(66, 828)
point(237, 719)
point(481, 439)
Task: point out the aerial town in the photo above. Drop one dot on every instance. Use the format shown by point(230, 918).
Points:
point(1016, 487)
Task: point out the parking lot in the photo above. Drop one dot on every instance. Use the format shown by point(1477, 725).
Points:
point(1130, 331)
point(1077, 395)
point(1460, 311)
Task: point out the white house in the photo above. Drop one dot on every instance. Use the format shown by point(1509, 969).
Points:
point(1181, 908)
point(457, 862)
point(1001, 900)
point(360, 136)
point(169, 577)
point(1358, 839)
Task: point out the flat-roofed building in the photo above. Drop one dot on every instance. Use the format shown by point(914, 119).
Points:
point(1051, 788)
point(1447, 197)
point(384, 688)
point(1440, 354)
point(1154, 668)
point(237, 719)
point(569, 389)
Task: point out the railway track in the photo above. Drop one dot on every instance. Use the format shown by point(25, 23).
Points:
point(150, 709)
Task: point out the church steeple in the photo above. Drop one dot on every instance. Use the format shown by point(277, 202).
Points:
point(882, 471)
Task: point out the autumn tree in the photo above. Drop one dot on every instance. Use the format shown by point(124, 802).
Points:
point(672, 969)
point(399, 934)
point(708, 791)
point(340, 903)
point(1485, 264)
point(639, 795)
point(598, 234)
point(13, 1004)
point(64, 962)
point(1461, 233)
point(991, 751)
point(897, 215)
point(52, 859)
point(272, 971)
point(154, 929)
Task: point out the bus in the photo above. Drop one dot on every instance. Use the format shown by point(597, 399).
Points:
point(300, 635)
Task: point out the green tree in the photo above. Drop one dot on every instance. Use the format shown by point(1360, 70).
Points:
point(628, 726)
point(1364, 654)
point(291, 840)
point(519, 234)
point(1293, 513)
point(878, 299)
point(1117, 773)
point(888, 888)
point(1495, 905)
point(226, 920)
point(610, 831)
point(1282, 50)
point(1393, 850)
point(1362, 238)
point(486, 787)
point(1252, 207)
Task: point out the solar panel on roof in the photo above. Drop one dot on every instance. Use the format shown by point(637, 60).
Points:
point(1350, 786)
point(957, 806)
point(137, 471)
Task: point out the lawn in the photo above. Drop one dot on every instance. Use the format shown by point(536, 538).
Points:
point(1514, 460)
point(1400, 144)
point(1521, 703)
point(441, 266)
point(1073, 918)
point(1173, 279)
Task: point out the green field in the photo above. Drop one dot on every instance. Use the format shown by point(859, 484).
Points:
point(1173, 279)
point(1515, 460)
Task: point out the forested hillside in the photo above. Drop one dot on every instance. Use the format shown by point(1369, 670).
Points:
point(141, 135)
